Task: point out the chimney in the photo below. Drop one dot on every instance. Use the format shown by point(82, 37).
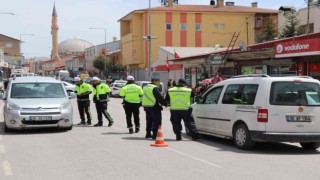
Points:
point(220, 3)
point(114, 39)
point(170, 3)
point(212, 3)
point(229, 3)
point(254, 4)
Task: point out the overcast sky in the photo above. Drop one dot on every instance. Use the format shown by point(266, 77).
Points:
point(75, 17)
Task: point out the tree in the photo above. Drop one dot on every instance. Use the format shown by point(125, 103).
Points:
point(292, 24)
point(269, 32)
point(99, 63)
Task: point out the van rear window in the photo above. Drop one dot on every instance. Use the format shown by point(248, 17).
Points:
point(295, 94)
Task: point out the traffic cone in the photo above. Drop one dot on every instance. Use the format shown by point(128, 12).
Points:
point(159, 139)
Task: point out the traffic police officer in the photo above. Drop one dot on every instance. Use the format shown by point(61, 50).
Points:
point(179, 98)
point(83, 91)
point(152, 101)
point(131, 95)
point(100, 98)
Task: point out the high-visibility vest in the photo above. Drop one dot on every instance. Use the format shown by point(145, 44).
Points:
point(131, 93)
point(148, 99)
point(83, 88)
point(179, 98)
point(101, 92)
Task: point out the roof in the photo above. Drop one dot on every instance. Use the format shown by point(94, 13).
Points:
point(111, 46)
point(208, 9)
point(9, 37)
point(54, 12)
point(73, 45)
point(31, 79)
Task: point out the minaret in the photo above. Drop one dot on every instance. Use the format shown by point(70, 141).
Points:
point(54, 34)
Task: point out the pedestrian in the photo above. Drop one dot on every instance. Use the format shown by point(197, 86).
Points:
point(100, 98)
point(152, 102)
point(179, 99)
point(174, 84)
point(170, 83)
point(131, 99)
point(83, 91)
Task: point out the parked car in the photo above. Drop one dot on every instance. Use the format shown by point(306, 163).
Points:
point(116, 87)
point(255, 108)
point(68, 86)
point(37, 102)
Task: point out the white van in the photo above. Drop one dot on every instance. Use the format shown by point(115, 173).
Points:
point(254, 108)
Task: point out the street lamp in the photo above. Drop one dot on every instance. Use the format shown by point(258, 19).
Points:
point(105, 46)
point(21, 57)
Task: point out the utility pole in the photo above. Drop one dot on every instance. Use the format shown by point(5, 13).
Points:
point(247, 23)
point(308, 17)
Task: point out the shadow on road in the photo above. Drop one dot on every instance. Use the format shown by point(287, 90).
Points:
point(30, 131)
point(260, 147)
point(114, 133)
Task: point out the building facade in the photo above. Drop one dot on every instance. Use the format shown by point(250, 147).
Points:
point(187, 26)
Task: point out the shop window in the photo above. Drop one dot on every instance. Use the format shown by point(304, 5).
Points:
point(283, 70)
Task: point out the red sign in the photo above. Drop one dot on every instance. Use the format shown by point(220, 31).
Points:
point(298, 48)
point(171, 67)
point(314, 67)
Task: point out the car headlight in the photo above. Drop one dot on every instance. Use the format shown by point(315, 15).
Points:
point(12, 106)
point(66, 105)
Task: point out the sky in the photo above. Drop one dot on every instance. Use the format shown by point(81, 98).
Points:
point(75, 17)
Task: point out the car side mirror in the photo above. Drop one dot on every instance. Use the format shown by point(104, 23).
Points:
point(72, 95)
point(198, 99)
point(2, 96)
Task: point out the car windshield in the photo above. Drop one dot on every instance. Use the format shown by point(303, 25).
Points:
point(120, 85)
point(37, 90)
point(295, 94)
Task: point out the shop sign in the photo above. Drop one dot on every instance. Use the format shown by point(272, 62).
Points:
point(215, 60)
point(298, 48)
point(171, 67)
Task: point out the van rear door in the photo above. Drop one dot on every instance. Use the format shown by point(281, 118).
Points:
point(294, 106)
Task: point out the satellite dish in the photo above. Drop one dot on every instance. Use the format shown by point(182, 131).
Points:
point(242, 45)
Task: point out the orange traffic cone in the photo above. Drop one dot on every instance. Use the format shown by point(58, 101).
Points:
point(159, 140)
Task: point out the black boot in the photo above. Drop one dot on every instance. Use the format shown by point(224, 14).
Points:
point(98, 124)
point(89, 123)
point(195, 137)
point(178, 137)
point(148, 135)
point(130, 130)
point(137, 129)
point(82, 123)
point(110, 123)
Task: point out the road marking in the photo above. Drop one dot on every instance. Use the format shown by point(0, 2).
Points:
point(195, 158)
point(2, 149)
point(7, 168)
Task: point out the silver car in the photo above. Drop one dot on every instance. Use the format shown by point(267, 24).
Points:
point(36, 102)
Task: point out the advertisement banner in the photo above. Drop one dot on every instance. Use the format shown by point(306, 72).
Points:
point(297, 48)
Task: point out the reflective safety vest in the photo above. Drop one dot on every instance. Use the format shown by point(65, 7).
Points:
point(131, 93)
point(101, 92)
point(148, 99)
point(83, 88)
point(179, 98)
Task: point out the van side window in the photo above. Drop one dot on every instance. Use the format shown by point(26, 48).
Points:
point(212, 97)
point(240, 94)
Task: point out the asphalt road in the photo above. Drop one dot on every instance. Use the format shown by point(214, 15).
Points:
point(99, 153)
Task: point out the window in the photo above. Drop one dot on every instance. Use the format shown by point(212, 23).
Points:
point(212, 97)
point(183, 27)
point(169, 26)
point(258, 23)
point(295, 94)
point(218, 26)
point(37, 90)
point(240, 94)
point(198, 27)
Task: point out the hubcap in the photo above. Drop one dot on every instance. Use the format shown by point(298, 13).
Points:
point(241, 137)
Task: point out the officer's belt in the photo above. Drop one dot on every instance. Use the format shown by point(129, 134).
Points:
point(83, 99)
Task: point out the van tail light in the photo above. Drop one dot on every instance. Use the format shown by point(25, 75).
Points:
point(262, 115)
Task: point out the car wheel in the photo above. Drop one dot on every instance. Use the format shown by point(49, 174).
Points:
point(310, 145)
point(6, 129)
point(241, 137)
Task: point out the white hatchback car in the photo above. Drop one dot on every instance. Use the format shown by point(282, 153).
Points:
point(261, 108)
point(116, 87)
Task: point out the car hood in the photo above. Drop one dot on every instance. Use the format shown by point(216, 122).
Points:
point(39, 102)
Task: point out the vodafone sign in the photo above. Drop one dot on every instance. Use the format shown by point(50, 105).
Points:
point(298, 48)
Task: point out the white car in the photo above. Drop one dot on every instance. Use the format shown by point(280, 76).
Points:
point(261, 108)
point(116, 87)
point(69, 87)
point(144, 83)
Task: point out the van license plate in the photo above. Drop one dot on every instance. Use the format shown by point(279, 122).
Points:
point(298, 118)
point(40, 118)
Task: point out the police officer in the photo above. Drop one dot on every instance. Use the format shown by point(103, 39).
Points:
point(100, 98)
point(152, 101)
point(179, 98)
point(83, 91)
point(131, 95)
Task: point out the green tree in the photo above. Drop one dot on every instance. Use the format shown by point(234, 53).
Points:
point(292, 24)
point(269, 32)
point(113, 67)
point(99, 63)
